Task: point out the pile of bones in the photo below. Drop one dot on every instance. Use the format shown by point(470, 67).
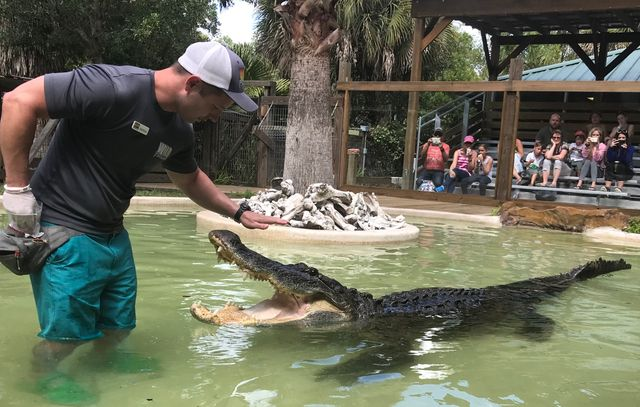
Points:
point(324, 207)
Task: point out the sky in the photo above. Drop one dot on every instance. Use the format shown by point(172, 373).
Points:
point(237, 22)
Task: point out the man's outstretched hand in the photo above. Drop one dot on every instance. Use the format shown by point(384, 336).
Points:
point(254, 220)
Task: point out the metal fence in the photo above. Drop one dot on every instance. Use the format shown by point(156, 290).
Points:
point(274, 126)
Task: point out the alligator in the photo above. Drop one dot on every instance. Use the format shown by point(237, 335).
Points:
point(304, 295)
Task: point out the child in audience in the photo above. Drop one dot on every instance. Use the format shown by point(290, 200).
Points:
point(575, 152)
point(594, 154)
point(533, 162)
point(482, 172)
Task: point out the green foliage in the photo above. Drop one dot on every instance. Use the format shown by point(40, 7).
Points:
point(171, 192)
point(62, 34)
point(245, 194)
point(257, 67)
point(223, 177)
point(459, 60)
point(385, 149)
point(633, 226)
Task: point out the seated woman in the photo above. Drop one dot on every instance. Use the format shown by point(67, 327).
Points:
point(463, 164)
point(594, 154)
point(482, 172)
point(619, 162)
point(554, 157)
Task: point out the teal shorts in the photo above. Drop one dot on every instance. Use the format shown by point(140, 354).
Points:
point(87, 285)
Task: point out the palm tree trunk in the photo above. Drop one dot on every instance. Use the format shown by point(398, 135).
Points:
point(308, 148)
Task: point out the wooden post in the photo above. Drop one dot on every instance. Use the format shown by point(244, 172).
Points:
point(412, 109)
point(508, 133)
point(344, 75)
point(352, 155)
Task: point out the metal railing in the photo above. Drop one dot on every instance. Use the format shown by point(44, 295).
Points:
point(431, 120)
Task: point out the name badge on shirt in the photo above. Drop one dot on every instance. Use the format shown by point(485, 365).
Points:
point(140, 128)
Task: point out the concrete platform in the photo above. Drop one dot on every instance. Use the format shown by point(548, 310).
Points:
point(207, 220)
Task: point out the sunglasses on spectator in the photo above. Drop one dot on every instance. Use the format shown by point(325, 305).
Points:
point(556, 137)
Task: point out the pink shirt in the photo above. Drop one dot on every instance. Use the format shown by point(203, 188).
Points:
point(463, 161)
point(598, 155)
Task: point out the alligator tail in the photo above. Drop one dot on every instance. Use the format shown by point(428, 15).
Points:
point(598, 267)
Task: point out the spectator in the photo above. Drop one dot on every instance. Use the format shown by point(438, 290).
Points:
point(596, 121)
point(623, 124)
point(534, 162)
point(556, 154)
point(619, 162)
point(594, 154)
point(464, 162)
point(544, 134)
point(518, 159)
point(482, 172)
point(575, 152)
point(436, 154)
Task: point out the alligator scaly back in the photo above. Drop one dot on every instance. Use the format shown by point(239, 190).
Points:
point(304, 294)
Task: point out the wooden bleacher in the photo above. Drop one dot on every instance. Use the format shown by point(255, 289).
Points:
point(629, 198)
point(575, 115)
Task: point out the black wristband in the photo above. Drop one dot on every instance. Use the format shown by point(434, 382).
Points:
point(244, 206)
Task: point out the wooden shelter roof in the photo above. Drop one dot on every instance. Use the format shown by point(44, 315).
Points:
point(513, 17)
point(527, 22)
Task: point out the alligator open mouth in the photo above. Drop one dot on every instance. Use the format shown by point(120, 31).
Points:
point(292, 300)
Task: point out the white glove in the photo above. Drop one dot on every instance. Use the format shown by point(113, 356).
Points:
point(22, 209)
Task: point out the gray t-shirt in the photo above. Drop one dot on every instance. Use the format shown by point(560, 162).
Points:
point(112, 132)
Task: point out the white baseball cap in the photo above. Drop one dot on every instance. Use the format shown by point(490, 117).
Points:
point(218, 66)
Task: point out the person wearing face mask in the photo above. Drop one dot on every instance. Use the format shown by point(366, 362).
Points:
point(619, 162)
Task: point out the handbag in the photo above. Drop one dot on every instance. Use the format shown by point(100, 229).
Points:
point(26, 255)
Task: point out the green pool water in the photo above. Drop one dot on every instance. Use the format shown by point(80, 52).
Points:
point(590, 358)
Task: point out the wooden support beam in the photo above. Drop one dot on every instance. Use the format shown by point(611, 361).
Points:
point(517, 51)
point(492, 86)
point(583, 56)
point(621, 57)
point(495, 58)
point(413, 104)
point(461, 8)
point(344, 75)
point(601, 60)
point(508, 133)
point(440, 26)
point(536, 26)
point(611, 37)
point(628, 21)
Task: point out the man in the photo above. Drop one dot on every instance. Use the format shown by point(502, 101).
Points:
point(544, 134)
point(117, 122)
point(436, 154)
